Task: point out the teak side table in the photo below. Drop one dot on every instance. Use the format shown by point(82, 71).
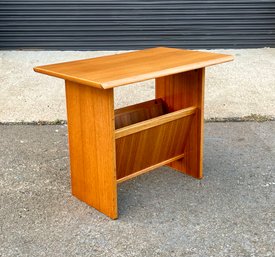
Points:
point(110, 146)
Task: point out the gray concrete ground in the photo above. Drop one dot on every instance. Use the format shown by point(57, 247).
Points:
point(163, 213)
point(240, 88)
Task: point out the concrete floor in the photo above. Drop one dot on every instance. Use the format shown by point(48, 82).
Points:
point(163, 213)
point(235, 89)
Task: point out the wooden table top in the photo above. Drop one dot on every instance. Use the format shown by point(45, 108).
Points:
point(120, 69)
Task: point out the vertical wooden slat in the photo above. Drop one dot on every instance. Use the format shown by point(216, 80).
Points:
point(92, 147)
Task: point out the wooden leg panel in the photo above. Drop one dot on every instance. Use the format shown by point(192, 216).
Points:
point(92, 147)
point(181, 91)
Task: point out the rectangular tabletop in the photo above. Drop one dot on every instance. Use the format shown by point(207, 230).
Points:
point(120, 69)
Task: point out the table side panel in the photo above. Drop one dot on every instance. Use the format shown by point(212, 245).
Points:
point(180, 91)
point(92, 147)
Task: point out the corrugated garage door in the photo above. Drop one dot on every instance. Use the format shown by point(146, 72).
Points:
point(132, 24)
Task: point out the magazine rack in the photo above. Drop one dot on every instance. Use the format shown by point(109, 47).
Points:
point(110, 146)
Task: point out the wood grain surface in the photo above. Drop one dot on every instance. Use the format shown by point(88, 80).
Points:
point(121, 69)
point(150, 168)
point(139, 112)
point(157, 121)
point(144, 148)
point(181, 91)
point(92, 146)
point(167, 130)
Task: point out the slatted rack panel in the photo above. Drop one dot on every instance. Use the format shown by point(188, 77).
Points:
point(132, 24)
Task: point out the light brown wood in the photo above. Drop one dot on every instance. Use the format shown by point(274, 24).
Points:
point(154, 143)
point(92, 146)
point(168, 130)
point(133, 175)
point(138, 112)
point(180, 91)
point(157, 121)
point(121, 69)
